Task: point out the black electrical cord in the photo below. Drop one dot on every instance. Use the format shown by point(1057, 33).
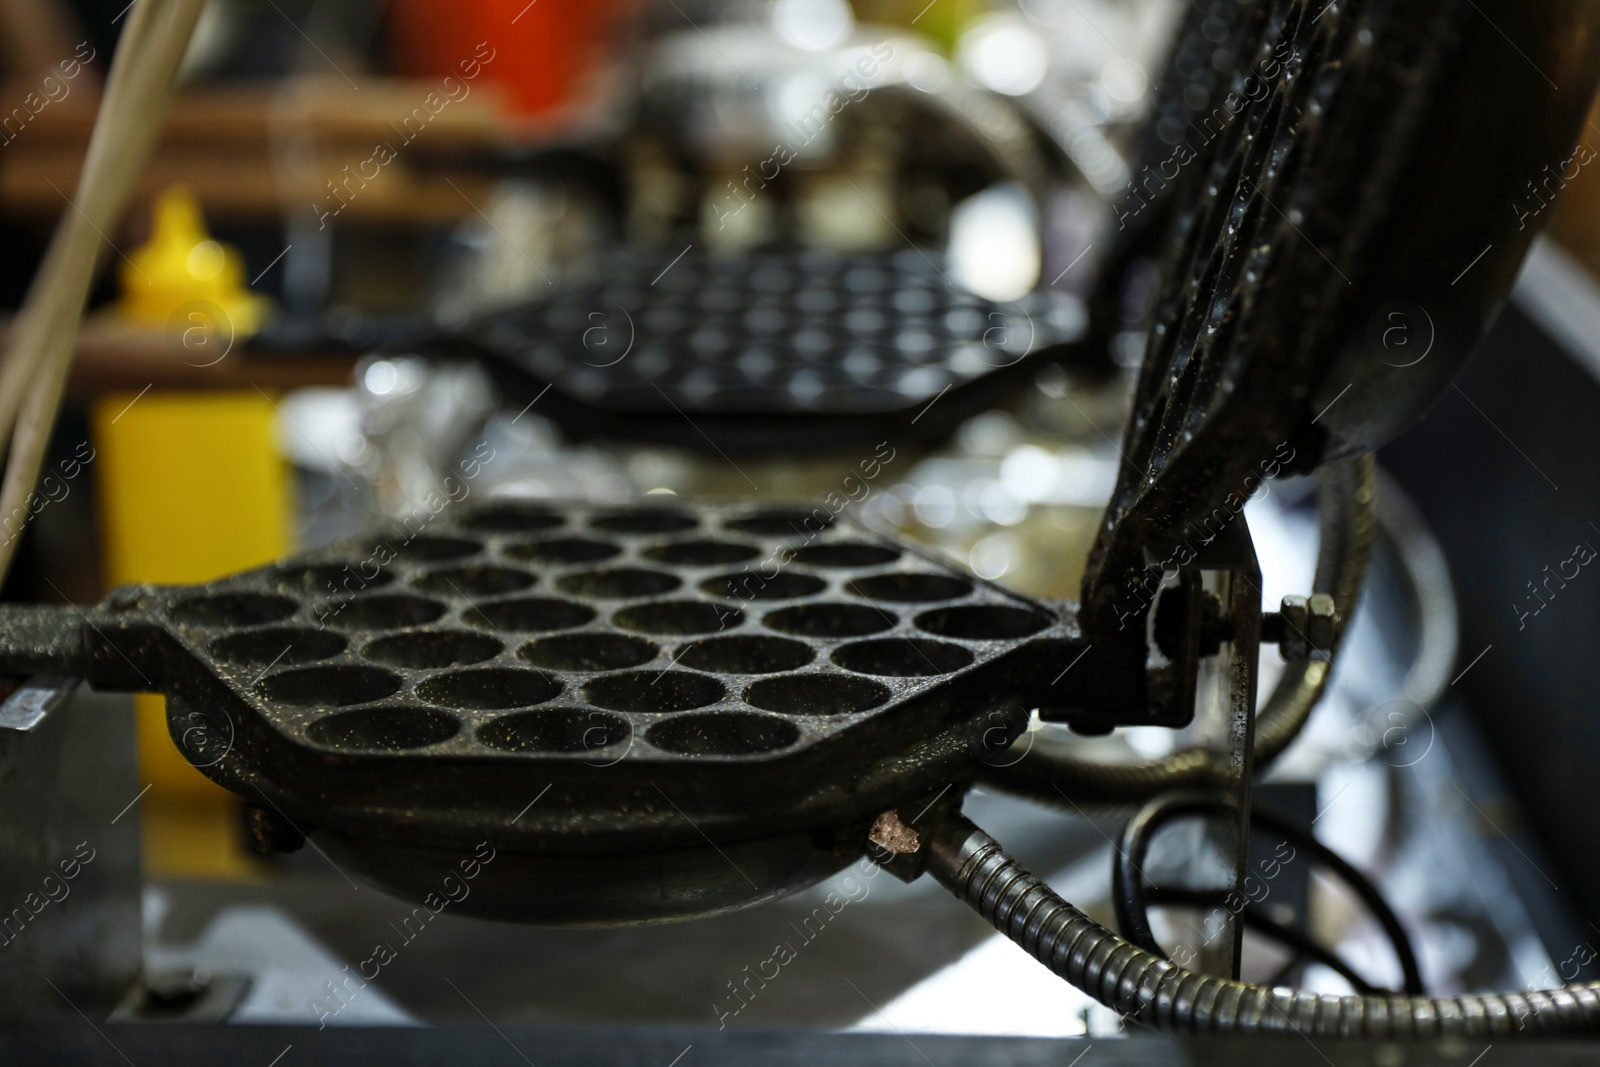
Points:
point(1303, 947)
point(1131, 899)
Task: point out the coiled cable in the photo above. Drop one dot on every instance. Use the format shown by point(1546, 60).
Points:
point(1130, 898)
point(1303, 949)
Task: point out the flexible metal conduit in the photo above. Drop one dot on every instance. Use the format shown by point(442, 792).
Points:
point(1156, 992)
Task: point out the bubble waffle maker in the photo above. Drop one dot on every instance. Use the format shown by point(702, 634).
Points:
point(653, 713)
point(771, 351)
point(647, 712)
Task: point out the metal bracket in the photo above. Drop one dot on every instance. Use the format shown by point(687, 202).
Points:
point(1228, 569)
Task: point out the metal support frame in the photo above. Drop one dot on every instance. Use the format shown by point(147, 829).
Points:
point(1213, 670)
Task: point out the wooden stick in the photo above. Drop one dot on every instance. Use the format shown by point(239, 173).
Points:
point(131, 111)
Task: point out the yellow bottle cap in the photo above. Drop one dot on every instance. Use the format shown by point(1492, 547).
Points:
point(182, 263)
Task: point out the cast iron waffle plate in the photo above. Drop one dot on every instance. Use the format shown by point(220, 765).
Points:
point(767, 351)
point(767, 669)
point(1316, 295)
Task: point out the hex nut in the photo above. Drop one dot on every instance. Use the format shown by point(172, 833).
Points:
point(1294, 642)
point(1321, 623)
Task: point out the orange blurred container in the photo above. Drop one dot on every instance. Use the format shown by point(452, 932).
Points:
point(543, 51)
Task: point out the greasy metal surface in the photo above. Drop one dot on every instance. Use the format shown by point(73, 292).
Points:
point(613, 1046)
point(1330, 189)
point(668, 675)
point(771, 350)
point(70, 881)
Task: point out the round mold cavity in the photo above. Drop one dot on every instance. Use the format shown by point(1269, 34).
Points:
point(846, 554)
point(782, 522)
point(390, 729)
point(321, 579)
point(432, 549)
point(830, 620)
point(555, 730)
point(473, 581)
point(983, 622)
point(589, 652)
point(816, 694)
point(429, 649)
point(232, 609)
point(279, 646)
point(489, 688)
point(619, 583)
point(785, 585)
point(727, 734)
point(702, 553)
point(910, 587)
point(386, 611)
point(654, 691)
point(560, 550)
point(746, 654)
point(902, 657)
point(532, 615)
point(329, 686)
point(676, 617)
point(645, 521)
point(512, 517)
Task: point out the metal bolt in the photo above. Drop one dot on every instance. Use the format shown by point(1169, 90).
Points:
point(1302, 627)
point(1293, 641)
